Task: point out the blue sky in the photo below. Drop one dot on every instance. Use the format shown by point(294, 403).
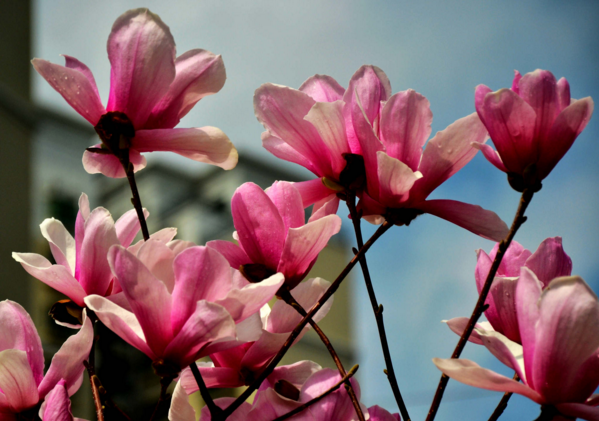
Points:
point(422, 273)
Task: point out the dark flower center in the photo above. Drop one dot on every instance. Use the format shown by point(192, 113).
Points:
point(256, 272)
point(116, 131)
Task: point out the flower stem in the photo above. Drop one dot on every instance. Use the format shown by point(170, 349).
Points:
point(164, 384)
point(295, 333)
point(377, 310)
point(216, 413)
point(135, 200)
point(96, 387)
point(503, 402)
point(519, 219)
point(288, 298)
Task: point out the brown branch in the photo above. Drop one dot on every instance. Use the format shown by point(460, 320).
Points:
point(378, 312)
point(295, 333)
point(289, 299)
point(519, 219)
point(96, 387)
point(311, 402)
point(215, 412)
point(503, 402)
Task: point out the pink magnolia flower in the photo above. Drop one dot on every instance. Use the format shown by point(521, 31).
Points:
point(179, 313)
point(23, 384)
point(532, 125)
point(272, 234)
point(313, 127)
point(81, 265)
point(239, 366)
point(57, 405)
point(150, 91)
point(558, 360)
point(550, 261)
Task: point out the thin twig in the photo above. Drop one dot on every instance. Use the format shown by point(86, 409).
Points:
point(96, 385)
point(311, 402)
point(289, 299)
point(503, 402)
point(378, 312)
point(215, 412)
point(295, 333)
point(519, 219)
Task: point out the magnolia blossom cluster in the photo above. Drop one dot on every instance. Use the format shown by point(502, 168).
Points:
point(237, 305)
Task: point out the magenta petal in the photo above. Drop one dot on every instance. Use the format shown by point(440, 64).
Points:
point(324, 207)
point(578, 410)
point(303, 244)
point(127, 227)
point(337, 405)
point(109, 165)
point(550, 261)
point(67, 363)
point(260, 227)
point(563, 93)
point(286, 152)
point(199, 73)
point(232, 252)
point(491, 155)
point(516, 82)
point(75, 88)
point(480, 93)
point(395, 179)
point(213, 377)
point(200, 273)
point(158, 258)
point(19, 332)
point(323, 88)
point(73, 63)
point(405, 126)
point(240, 414)
point(296, 374)
point(57, 405)
point(447, 153)
point(141, 50)
point(206, 144)
point(539, 90)
point(149, 298)
point(483, 266)
point(566, 128)
point(381, 414)
point(62, 243)
point(502, 308)
point(313, 191)
point(269, 405)
point(471, 217)
point(288, 201)
point(470, 373)
point(16, 380)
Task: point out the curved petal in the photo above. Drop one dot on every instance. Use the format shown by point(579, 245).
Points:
point(214, 377)
point(73, 63)
point(470, 373)
point(206, 144)
point(539, 90)
point(405, 126)
point(286, 152)
point(492, 156)
point(550, 261)
point(55, 276)
point(109, 165)
point(516, 82)
point(335, 406)
point(199, 73)
point(67, 363)
point(240, 414)
point(323, 88)
point(508, 352)
point(181, 409)
point(302, 246)
point(288, 200)
point(269, 405)
point(296, 374)
point(75, 88)
point(471, 217)
point(158, 258)
point(141, 51)
point(459, 324)
point(502, 308)
point(231, 251)
point(395, 180)
point(260, 227)
point(579, 410)
point(57, 405)
point(127, 227)
point(62, 243)
point(16, 380)
point(563, 93)
point(381, 414)
point(447, 153)
point(324, 207)
point(313, 191)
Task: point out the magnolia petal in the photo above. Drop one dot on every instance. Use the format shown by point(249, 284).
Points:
point(164, 236)
point(578, 410)
point(260, 227)
point(447, 153)
point(74, 86)
point(240, 414)
point(323, 88)
point(395, 179)
point(313, 191)
point(141, 51)
point(405, 126)
point(57, 405)
point(127, 226)
point(337, 405)
point(515, 257)
point(181, 409)
point(458, 326)
point(508, 352)
point(269, 405)
point(16, 380)
point(381, 414)
point(158, 258)
point(55, 276)
point(470, 373)
point(263, 350)
point(199, 73)
point(492, 156)
point(109, 165)
point(550, 261)
point(296, 374)
point(327, 206)
point(288, 200)
point(539, 90)
point(286, 152)
point(516, 82)
point(73, 63)
point(67, 363)
point(214, 377)
point(232, 252)
point(62, 243)
point(303, 245)
point(471, 217)
point(563, 93)
point(206, 144)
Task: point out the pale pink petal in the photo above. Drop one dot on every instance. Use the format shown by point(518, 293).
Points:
point(121, 321)
point(269, 405)
point(502, 307)
point(200, 273)
point(158, 258)
point(164, 236)
point(288, 201)
point(566, 128)
point(405, 126)
point(75, 64)
point(323, 88)
point(206, 144)
point(302, 246)
point(181, 409)
point(296, 374)
point(395, 179)
point(62, 243)
point(508, 352)
point(56, 276)
point(199, 73)
point(231, 251)
point(82, 216)
point(127, 227)
point(550, 261)
point(213, 377)
point(19, 332)
point(480, 93)
point(492, 156)
point(563, 93)
point(381, 414)
point(471, 217)
point(282, 110)
point(483, 266)
point(470, 373)
point(286, 152)
point(109, 165)
point(240, 414)
point(336, 406)
point(328, 120)
point(260, 227)
point(141, 51)
point(16, 380)
point(67, 363)
point(75, 88)
point(459, 324)
point(371, 209)
point(447, 153)
point(578, 410)
point(539, 90)
point(567, 339)
point(149, 298)
point(263, 350)
point(57, 405)
point(327, 206)
point(313, 191)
